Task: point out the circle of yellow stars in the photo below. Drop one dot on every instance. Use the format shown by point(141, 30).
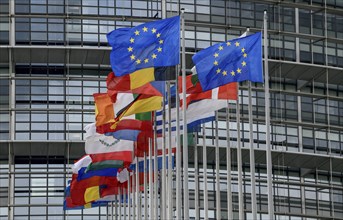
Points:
point(232, 72)
point(152, 56)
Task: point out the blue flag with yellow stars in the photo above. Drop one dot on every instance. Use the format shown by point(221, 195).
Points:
point(232, 61)
point(153, 44)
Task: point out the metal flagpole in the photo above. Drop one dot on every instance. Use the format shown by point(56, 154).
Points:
point(228, 164)
point(112, 211)
point(163, 198)
point(115, 216)
point(252, 153)
point(218, 209)
point(145, 187)
point(267, 110)
point(119, 202)
point(252, 158)
point(178, 150)
point(138, 200)
point(134, 204)
point(163, 190)
point(196, 177)
point(204, 166)
point(170, 173)
point(150, 180)
point(129, 197)
point(125, 202)
point(156, 193)
point(185, 141)
point(239, 162)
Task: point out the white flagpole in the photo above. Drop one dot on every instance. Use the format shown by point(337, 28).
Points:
point(134, 204)
point(150, 181)
point(228, 164)
point(145, 187)
point(125, 202)
point(185, 141)
point(204, 166)
point(252, 158)
point(114, 209)
point(178, 150)
point(196, 177)
point(170, 173)
point(163, 198)
point(156, 194)
point(163, 173)
point(239, 162)
point(110, 216)
point(119, 202)
point(267, 110)
point(218, 206)
point(129, 203)
point(138, 200)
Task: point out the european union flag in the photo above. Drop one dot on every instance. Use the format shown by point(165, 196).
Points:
point(152, 44)
point(232, 61)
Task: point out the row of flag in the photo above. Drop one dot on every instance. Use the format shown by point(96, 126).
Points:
point(130, 115)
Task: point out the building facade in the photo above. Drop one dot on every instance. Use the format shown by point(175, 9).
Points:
point(54, 55)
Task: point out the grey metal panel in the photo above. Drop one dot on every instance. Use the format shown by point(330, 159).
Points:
point(77, 56)
point(4, 53)
point(335, 76)
point(106, 57)
point(3, 151)
point(58, 149)
point(94, 56)
point(76, 149)
point(56, 56)
point(294, 159)
point(21, 55)
point(38, 148)
point(22, 149)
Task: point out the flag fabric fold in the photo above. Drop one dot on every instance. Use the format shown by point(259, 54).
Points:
point(232, 61)
point(140, 121)
point(112, 109)
point(225, 92)
point(99, 143)
point(150, 81)
point(152, 44)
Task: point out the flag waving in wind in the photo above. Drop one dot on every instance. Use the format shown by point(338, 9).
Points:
point(153, 44)
point(232, 61)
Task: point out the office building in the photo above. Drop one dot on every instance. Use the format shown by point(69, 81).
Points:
point(54, 55)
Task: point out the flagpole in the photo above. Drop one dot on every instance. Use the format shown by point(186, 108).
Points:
point(138, 201)
point(170, 174)
point(218, 209)
point(239, 161)
point(150, 180)
point(196, 177)
point(178, 151)
point(156, 194)
point(228, 164)
point(204, 167)
point(267, 110)
point(119, 202)
point(145, 187)
point(163, 198)
point(115, 212)
point(134, 204)
point(185, 144)
point(252, 157)
point(129, 196)
point(125, 193)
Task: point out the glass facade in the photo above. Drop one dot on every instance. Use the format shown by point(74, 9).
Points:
point(54, 55)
